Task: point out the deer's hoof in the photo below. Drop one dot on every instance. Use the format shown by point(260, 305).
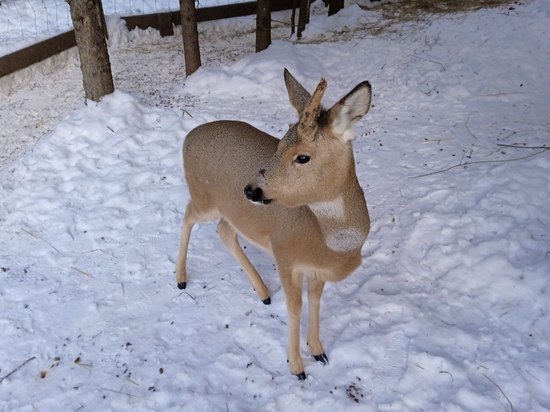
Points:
point(182, 285)
point(301, 376)
point(267, 301)
point(321, 358)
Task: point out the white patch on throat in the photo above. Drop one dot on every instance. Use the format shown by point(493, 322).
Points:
point(345, 240)
point(340, 239)
point(333, 209)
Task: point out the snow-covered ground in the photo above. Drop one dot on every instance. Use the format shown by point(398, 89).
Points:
point(449, 310)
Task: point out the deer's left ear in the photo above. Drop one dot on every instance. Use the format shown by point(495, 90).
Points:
point(352, 107)
point(297, 94)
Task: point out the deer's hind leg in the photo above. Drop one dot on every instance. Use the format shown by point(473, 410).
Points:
point(192, 215)
point(229, 236)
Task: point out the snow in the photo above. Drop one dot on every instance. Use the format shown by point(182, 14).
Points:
point(449, 309)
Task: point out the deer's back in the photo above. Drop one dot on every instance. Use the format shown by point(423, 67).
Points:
point(223, 153)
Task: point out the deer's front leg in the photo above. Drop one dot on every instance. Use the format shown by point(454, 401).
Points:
point(190, 218)
point(292, 285)
point(314, 292)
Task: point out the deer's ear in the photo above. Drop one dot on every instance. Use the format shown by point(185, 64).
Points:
point(297, 94)
point(352, 107)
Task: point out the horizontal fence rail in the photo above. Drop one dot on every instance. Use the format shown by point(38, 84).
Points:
point(163, 22)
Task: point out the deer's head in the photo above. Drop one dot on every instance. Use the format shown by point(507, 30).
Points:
point(314, 159)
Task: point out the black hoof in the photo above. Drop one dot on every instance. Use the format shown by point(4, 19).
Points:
point(182, 285)
point(267, 301)
point(301, 376)
point(321, 358)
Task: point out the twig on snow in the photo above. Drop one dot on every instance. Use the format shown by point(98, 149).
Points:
point(191, 296)
point(468, 128)
point(16, 369)
point(534, 377)
point(124, 393)
point(481, 162)
point(131, 381)
point(519, 146)
point(42, 239)
point(501, 391)
point(448, 373)
point(443, 68)
point(499, 94)
point(257, 362)
point(81, 271)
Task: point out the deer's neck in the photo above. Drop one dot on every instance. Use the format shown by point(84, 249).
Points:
point(344, 220)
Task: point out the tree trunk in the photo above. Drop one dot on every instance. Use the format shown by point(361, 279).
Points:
point(190, 33)
point(335, 6)
point(263, 24)
point(90, 30)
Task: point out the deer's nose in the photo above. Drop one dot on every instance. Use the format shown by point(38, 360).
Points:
point(253, 194)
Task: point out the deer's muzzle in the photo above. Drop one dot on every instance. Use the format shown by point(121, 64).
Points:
point(256, 195)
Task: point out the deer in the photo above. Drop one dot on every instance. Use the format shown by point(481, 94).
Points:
point(298, 198)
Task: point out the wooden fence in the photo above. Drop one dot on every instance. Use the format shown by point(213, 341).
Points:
point(164, 22)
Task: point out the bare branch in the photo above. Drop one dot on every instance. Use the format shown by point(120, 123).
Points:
point(81, 271)
point(480, 162)
point(16, 369)
point(42, 239)
point(501, 391)
point(519, 146)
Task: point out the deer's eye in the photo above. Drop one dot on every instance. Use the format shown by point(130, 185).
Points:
point(302, 159)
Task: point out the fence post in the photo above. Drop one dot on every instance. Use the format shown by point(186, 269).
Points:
point(335, 6)
point(90, 32)
point(263, 24)
point(303, 17)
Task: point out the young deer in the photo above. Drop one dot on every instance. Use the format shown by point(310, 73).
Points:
point(301, 202)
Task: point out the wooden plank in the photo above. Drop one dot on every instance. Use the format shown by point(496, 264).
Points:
point(166, 27)
point(143, 21)
point(227, 11)
point(37, 52)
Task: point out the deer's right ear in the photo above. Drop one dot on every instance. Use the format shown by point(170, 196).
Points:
point(297, 94)
point(349, 110)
